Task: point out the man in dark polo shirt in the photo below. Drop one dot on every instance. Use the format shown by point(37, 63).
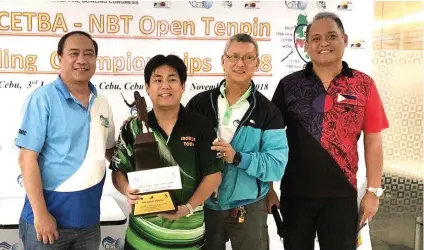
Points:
point(325, 107)
point(184, 139)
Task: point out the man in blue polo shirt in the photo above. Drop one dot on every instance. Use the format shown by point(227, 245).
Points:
point(67, 130)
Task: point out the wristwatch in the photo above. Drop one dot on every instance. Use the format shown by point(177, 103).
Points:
point(190, 209)
point(377, 191)
point(237, 159)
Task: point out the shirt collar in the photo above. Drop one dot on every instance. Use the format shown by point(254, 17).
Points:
point(346, 70)
point(60, 85)
point(242, 98)
point(153, 122)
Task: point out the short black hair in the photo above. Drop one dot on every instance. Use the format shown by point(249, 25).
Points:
point(170, 60)
point(325, 15)
point(61, 44)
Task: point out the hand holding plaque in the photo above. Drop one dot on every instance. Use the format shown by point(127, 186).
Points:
point(156, 183)
point(155, 187)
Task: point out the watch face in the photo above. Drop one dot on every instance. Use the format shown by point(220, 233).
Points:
point(379, 192)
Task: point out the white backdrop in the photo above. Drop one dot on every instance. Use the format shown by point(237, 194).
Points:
point(131, 32)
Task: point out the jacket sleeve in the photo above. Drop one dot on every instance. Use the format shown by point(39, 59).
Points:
point(270, 162)
point(191, 105)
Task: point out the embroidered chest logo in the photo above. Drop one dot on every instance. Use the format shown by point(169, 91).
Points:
point(188, 141)
point(104, 121)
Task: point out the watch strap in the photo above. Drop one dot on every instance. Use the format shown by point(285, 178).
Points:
point(237, 159)
point(377, 191)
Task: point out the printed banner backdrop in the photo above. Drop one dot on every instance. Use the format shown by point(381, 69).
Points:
point(131, 32)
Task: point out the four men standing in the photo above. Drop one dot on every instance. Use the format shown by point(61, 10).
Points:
point(238, 148)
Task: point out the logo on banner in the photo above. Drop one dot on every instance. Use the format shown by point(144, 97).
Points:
point(201, 4)
point(346, 5)
point(299, 37)
point(297, 5)
point(227, 4)
point(358, 44)
point(5, 245)
point(295, 40)
point(20, 180)
point(163, 4)
point(252, 5)
point(321, 5)
point(111, 243)
point(347, 99)
point(133, 112)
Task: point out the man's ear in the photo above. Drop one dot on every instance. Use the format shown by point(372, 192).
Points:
point(146, 87)
point(257, 65)
point(346, 40)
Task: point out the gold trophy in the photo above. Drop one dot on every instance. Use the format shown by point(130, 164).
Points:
point(147, 157)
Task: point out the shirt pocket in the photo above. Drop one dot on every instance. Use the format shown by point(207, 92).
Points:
point(348, 123)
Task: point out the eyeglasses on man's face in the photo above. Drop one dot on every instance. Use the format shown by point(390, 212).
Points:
point(248, 59)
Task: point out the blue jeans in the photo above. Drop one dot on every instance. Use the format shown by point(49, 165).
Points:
point(84, 239)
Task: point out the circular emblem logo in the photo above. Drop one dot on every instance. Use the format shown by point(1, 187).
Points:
point(119, 243)
point(111, 243)
point(299, 5)
point(207, 4)
point(133, 111)
point(19, 180)
point(323, 103)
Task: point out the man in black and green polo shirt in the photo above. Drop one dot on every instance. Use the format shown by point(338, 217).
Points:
point(184, 139)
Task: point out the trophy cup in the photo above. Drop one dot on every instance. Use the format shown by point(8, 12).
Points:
point(147, 159)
